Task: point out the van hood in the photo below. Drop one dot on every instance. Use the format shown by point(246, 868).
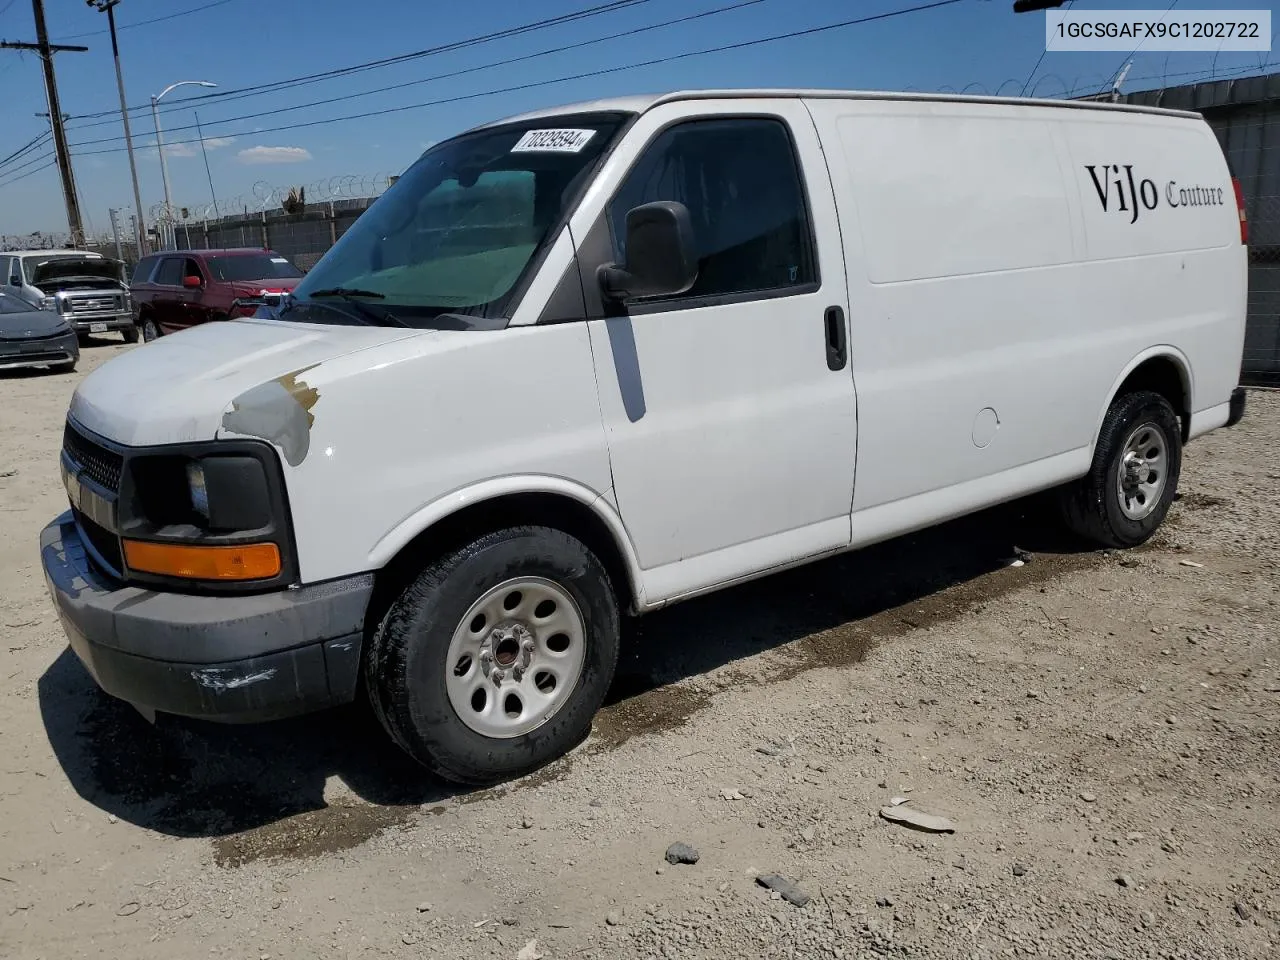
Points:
point(178, 388)
point(69, 268)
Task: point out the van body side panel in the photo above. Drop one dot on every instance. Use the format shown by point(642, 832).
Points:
point(958, 287)
point(992, 315)
point(400, 428)
point(1162, 239)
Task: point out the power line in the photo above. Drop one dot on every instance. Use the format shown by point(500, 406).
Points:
point(1043, 53)
point(490, 65)
point(146, 23)
point(275, 86)
point(29, 145)
point(27, 163)
point(590, 74)
point(1116, 72)
point(30, 173)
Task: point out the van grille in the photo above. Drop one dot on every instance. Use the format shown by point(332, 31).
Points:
point(99, 464)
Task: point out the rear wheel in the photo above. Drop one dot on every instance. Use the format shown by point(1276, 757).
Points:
point(493, 661)
point(1134, 477)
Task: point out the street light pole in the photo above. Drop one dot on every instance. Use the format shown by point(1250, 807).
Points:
point(109, 7)
point(155, 117)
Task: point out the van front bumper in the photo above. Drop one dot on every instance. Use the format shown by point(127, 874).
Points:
point(234, 659)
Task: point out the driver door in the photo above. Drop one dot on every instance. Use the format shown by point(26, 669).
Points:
point(731, 422)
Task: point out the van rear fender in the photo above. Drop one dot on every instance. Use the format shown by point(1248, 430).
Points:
point(1163, 369)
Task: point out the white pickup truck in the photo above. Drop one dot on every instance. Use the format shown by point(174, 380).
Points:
point(599, 359)
point(86, 289)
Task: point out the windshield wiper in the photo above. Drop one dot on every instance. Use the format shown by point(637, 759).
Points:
point(351, 295)
point(346, 293)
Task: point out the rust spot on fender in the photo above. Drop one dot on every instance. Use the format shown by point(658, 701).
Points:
point(278, 411)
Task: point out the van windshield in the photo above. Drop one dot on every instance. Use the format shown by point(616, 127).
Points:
point(459, 230)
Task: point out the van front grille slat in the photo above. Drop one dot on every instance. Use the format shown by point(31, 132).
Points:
point(99, 464)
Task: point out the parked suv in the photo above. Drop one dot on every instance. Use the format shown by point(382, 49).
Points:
point(173, 291)
point(86, 289)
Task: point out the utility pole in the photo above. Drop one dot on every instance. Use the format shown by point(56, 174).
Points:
point(46, 50)
point(115, 232)
point(109, 7)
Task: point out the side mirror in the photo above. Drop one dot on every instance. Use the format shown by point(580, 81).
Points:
point(660, 259)
point(191, 282)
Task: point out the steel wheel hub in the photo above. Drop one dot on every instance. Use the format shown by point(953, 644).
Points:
point(516, 657)
point(1140, 480)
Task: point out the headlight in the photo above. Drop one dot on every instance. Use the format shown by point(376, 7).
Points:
point(198, 490)
point(48, 303)
point(215, 517)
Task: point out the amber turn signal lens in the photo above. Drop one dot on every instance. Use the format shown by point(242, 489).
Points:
point(250, 561)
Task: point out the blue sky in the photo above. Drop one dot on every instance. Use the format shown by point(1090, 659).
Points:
point(978, 45)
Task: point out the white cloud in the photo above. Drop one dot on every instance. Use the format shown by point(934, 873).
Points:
point(173, 151)
point(262, 154)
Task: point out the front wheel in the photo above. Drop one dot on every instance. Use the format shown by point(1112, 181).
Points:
point(1134, 477)
point(130, 333)
point(494, 660)
point(150, 330)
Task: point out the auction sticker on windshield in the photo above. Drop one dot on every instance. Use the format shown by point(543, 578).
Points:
point(553, 141)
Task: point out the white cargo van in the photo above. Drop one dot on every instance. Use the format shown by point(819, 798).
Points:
point(599, 359)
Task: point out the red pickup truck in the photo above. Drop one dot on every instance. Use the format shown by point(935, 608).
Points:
point(178, 289)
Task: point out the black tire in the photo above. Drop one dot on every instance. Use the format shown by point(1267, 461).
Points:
point(130, 334)
point(1091, 506)
point(406, 663)
point(150, 330)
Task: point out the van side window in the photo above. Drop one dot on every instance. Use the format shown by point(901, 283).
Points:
point(741, 182)
point(170, 273)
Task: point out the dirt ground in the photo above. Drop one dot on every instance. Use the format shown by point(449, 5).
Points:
point(1101, 728)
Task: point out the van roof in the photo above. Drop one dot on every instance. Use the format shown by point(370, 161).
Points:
point(639, 104)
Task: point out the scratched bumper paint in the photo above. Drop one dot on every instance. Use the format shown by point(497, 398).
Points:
point(231, 659)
